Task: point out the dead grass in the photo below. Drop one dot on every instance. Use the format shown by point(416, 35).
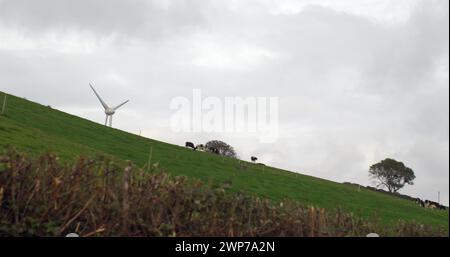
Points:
point(44, 197)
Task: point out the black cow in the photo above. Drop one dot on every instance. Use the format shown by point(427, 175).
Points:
point(254, 159)
point(190, 145)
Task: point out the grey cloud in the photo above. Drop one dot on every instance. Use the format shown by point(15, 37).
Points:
point(135, 18)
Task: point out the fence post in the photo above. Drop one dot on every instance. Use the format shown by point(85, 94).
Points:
point(4, 104)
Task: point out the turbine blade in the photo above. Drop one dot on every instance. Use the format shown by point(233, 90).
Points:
point(120, 105)
point(99, 98)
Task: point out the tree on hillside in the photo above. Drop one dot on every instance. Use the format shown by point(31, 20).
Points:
point(221, 148)
point(391, 174)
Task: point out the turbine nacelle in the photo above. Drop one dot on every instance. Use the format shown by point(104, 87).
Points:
point(108, 110)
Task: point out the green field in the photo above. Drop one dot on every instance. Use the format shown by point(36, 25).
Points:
point(36, 129)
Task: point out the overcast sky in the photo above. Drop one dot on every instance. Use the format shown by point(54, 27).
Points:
point(357, 80)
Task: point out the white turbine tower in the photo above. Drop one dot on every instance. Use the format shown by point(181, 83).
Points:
point(108, 110)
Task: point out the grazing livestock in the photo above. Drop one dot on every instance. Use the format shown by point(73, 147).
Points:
point(190, 145)
point(442, 207)
point(420, 202)
point(200, 148)
point(430, 204)
point(254, 159)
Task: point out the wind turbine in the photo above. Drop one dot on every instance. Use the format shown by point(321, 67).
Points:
point(108, 110)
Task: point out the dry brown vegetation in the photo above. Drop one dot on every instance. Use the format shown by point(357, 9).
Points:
point(44, 197)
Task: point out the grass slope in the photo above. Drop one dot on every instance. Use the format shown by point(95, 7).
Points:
point(36, 129)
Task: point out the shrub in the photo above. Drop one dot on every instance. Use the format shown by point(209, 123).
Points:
point(43, 197)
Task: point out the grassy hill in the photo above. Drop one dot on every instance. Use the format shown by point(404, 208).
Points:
point(36, 129)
